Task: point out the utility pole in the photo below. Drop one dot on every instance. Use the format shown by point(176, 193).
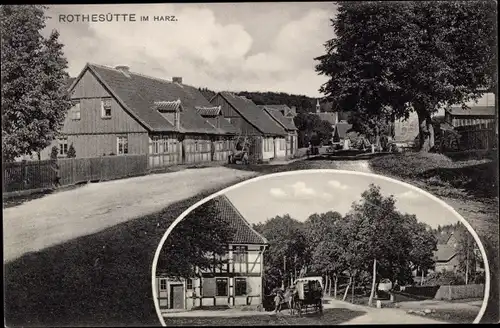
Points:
point(295, 266)
point(284, 272)
point(467, 262)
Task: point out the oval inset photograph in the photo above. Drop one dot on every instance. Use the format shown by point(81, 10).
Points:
point(320, 247)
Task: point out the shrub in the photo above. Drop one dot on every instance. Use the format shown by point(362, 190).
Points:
point(54, 152)
point(71, 151)
point(444, 278)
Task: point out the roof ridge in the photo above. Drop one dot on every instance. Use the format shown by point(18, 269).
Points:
point(243, 218)
point(135, 73)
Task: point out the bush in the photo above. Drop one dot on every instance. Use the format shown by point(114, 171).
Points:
point(54, 152)
point(71, 151)
point(444, 278)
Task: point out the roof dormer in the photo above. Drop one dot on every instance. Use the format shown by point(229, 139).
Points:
point(170, 110)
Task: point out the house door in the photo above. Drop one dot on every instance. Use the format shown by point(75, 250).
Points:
point(177, 296)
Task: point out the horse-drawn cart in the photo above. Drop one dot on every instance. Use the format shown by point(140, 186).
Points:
point(308, 293)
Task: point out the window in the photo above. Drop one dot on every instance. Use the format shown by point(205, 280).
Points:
point(240, 258)
point(189, 283)
point(221, 287)
point(221, 263)
point(122, 145)
point(240, 286)
point(63, 146)
point(159, 145)
point(163, 284)
point(106, 108)
point(282, 144)
point(75, 110)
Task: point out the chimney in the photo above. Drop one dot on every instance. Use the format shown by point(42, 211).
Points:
point(293, 110)
point(177, 120)
point(122, 68)
point(177, 79)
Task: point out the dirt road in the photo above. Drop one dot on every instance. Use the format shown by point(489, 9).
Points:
point(379, 316)
point(63, 216)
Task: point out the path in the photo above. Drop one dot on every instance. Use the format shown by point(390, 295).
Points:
point(379, 316)
point(441, 305)
point(63, 216)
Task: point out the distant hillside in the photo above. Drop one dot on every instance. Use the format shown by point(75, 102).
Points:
point(302, 103)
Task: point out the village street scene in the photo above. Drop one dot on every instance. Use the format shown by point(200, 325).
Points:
point(229, 262)
point(112, 128)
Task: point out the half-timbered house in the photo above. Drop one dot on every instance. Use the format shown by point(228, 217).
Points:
point(118, 112)
point(278, 112)
point(235, 280)
point(254, 122)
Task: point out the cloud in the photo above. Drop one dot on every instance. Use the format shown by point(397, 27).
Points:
point(297, 192)
point(410, 194)
point(277, 192)
point(300, 190)
point(203, 48)
point(337, 185)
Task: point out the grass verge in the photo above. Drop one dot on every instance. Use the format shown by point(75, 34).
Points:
point(329, 317)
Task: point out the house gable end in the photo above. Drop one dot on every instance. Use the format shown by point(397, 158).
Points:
point(89, 91)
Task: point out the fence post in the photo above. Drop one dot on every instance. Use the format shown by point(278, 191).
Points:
point(24, 173)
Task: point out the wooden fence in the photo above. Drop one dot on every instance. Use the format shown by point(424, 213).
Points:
point(458, 292)
point(20, 176)
point(479, 136)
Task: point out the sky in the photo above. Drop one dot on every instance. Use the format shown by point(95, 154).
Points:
point(301, 195)
point(225, 46)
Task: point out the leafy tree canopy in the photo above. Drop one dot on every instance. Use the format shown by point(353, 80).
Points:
point(34, 96)
point(391, 58)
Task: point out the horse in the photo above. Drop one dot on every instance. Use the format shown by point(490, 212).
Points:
point(289, 297)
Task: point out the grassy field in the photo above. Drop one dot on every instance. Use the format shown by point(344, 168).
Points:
point(329, 317)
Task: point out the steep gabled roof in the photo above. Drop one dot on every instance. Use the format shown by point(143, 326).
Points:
point(243, 231)
point(138, 93)
point(276, 114)
point(254, 115)
point(330, 117)
point(473, 111)
point(444, 253)
point(342, 129)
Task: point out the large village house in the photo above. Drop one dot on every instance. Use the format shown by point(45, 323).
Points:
point(253, 123)
point(446, 256)
point(282, 114)
point(237, 282)
point(118, 112)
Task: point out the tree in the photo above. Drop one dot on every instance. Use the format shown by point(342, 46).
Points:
point(323, 248)
point(192, 245)
point(34, 96)
point(287, 248)
point(71, 151)
point(468, 256)
point(392, 58)
point(424, 244)
point(54, 152)
point(312, 129)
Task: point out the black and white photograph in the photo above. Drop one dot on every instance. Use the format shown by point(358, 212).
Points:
point(321, 247)
point(121, 121)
